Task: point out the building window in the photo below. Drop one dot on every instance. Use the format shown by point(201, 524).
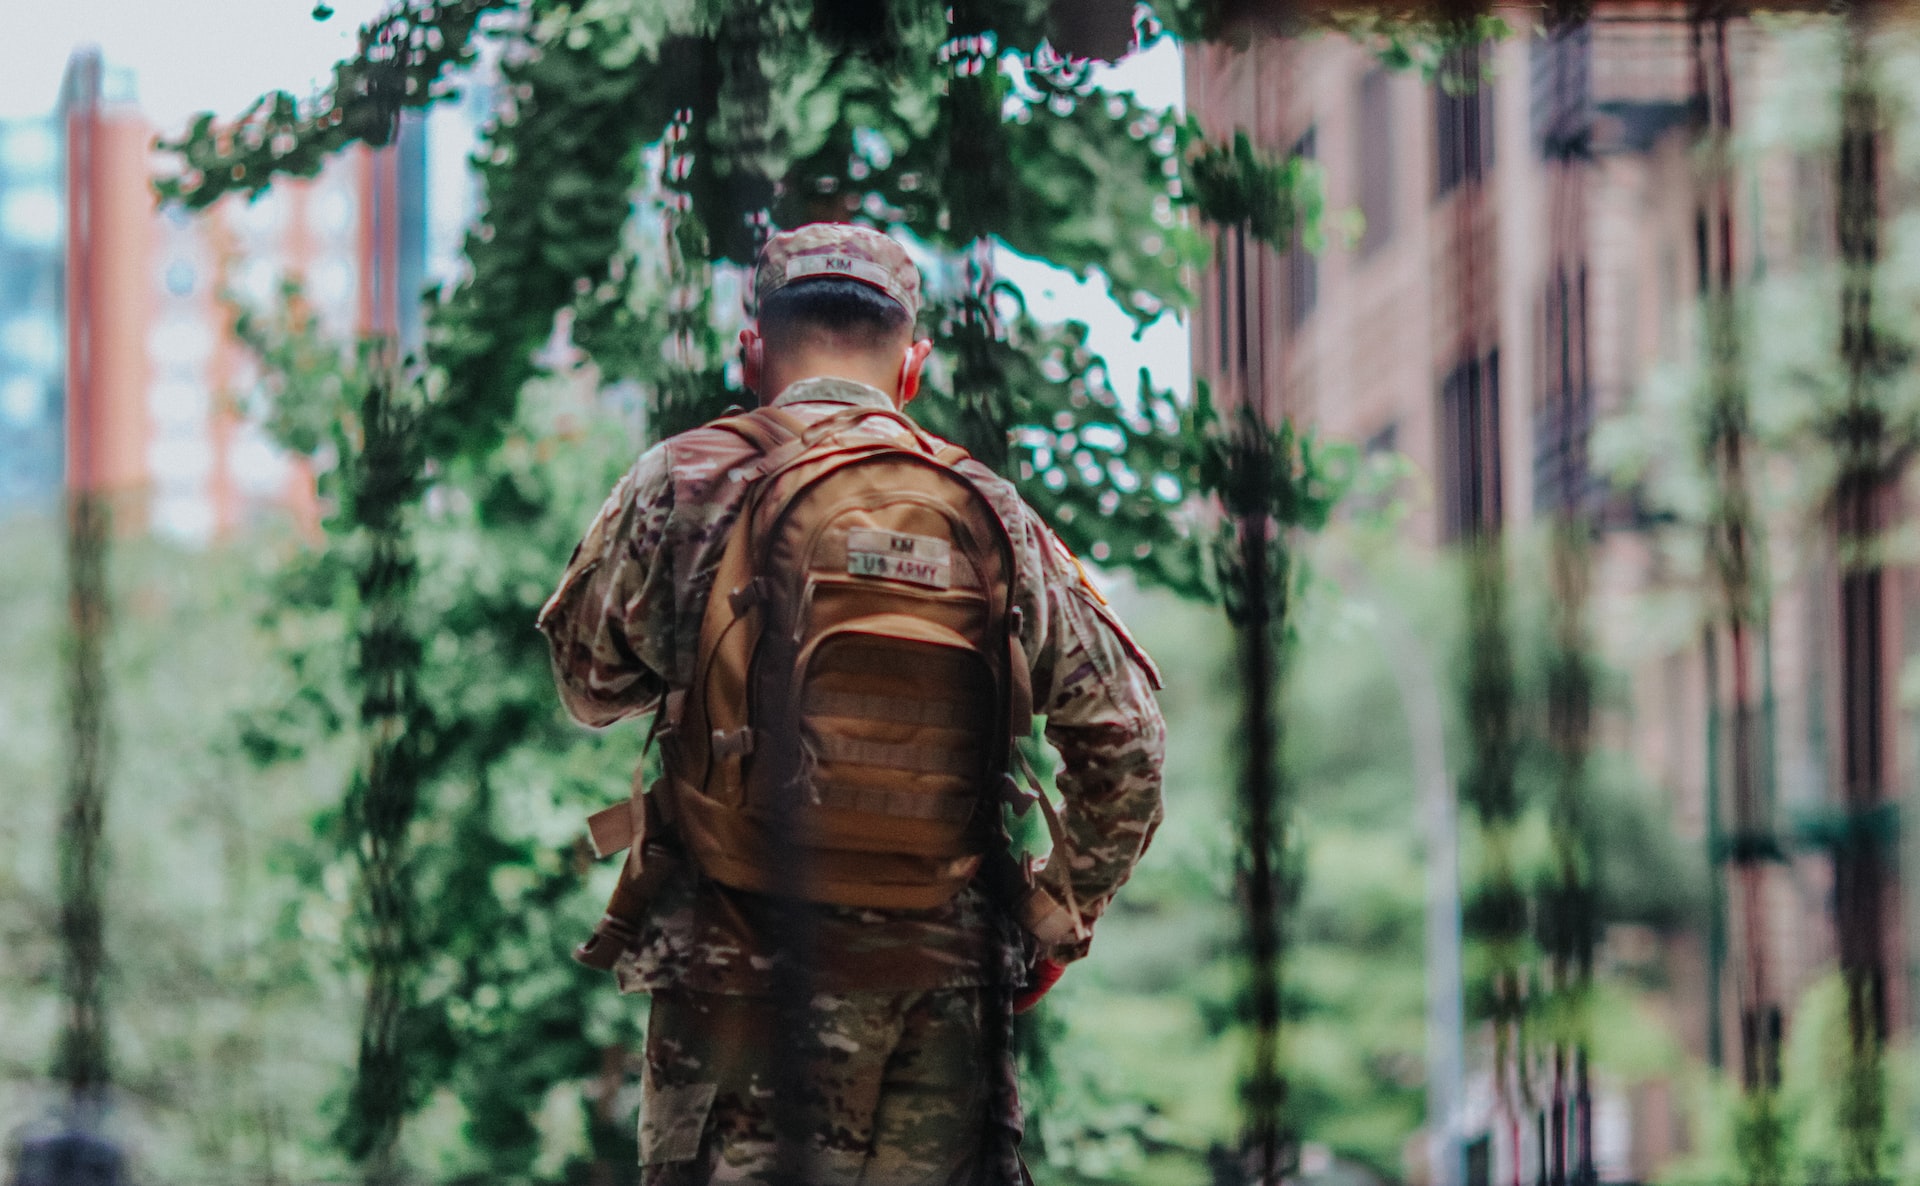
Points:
point(1462, 121)
point(1243, 306)
point(1560, 105)
point(1375, 160)
point(1222, 267)
point(1563, 418)
point(1303, 267)
point(1479, 1158)
point(1469, 464)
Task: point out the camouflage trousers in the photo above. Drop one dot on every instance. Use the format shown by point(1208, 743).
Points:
point(899, 1089)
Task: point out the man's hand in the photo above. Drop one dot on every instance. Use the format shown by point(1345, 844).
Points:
point(1043, 975)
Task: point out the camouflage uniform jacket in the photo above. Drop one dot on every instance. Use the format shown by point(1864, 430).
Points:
point(624, 624)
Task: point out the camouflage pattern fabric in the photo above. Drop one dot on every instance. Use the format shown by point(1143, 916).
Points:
point(840, 250)
point(897, 1092)
point(623, 626)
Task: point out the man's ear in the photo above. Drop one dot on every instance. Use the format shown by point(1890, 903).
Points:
point(753, 358)
point(910, 369)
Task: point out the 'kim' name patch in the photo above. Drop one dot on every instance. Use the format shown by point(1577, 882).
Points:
point(915, 559)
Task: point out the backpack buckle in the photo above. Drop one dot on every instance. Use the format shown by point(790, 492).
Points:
point(747, 596)
point(737, 744)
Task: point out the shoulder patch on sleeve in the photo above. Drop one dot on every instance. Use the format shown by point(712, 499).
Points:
point(1104, 609)
point(1120, 631)
point(1079, 569)
point(1086, 581)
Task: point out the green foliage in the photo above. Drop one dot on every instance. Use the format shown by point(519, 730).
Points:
point(1146, 1038)
point(1438, 41)
point(625, 126)
point(1799, 404)
point(404, 60)
point(384, 479)
point(1443, 48)
point(1541, 884)
point(498, 1015)
point(1118, 478)
point(1030, 154)
point(228, 1024)
point(558, 168)
point(1237, 185)
point(1808, 1130)
point(1096, 188)
point(1264, 482)
point(1070, 175)
point(1355, 1042)
point(639, 151)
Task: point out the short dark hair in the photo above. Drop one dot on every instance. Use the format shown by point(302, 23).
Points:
point(844, 311)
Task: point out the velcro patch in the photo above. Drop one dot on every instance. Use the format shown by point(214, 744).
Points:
point(915, 559)
point(802, 267)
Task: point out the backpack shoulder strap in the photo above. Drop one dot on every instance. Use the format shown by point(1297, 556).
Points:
point(776, 434)
point(766, 429)
point(945, 452)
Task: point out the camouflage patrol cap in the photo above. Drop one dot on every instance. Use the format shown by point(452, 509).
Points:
point(837, 249)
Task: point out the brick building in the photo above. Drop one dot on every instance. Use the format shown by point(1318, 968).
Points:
point(1505, 297)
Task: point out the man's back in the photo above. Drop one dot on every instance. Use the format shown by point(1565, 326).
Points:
point(901, 1075)
point(618, 621)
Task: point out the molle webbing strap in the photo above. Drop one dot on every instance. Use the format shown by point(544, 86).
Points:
point(610, 830)
point(894, 710)
point(628, 822)
point(951, 809)
point(633, 825)
point(1048, 919)
point(1020, 685)
point(731, 847)
point(912, 758)
point(865, 662)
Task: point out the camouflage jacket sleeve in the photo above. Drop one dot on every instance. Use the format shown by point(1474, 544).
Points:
point(610, 622)
point(1095, 686)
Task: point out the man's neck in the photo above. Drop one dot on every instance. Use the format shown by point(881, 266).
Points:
point(857, 370)
point(835, 390)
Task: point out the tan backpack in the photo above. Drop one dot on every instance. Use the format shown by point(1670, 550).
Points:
point(859, 679)
point(858, 687)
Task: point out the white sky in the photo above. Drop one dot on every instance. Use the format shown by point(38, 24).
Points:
point(1156, 80)
point(185, 55)
point(188, 56)
point(218, 55)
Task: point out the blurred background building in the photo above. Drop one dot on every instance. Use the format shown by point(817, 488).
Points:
point(118, 361)
point(1483, 330)
point(30, 269)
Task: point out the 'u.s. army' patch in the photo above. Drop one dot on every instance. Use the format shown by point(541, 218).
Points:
point(915, 559)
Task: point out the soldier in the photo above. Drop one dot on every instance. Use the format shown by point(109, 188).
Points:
point(905, 1073)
